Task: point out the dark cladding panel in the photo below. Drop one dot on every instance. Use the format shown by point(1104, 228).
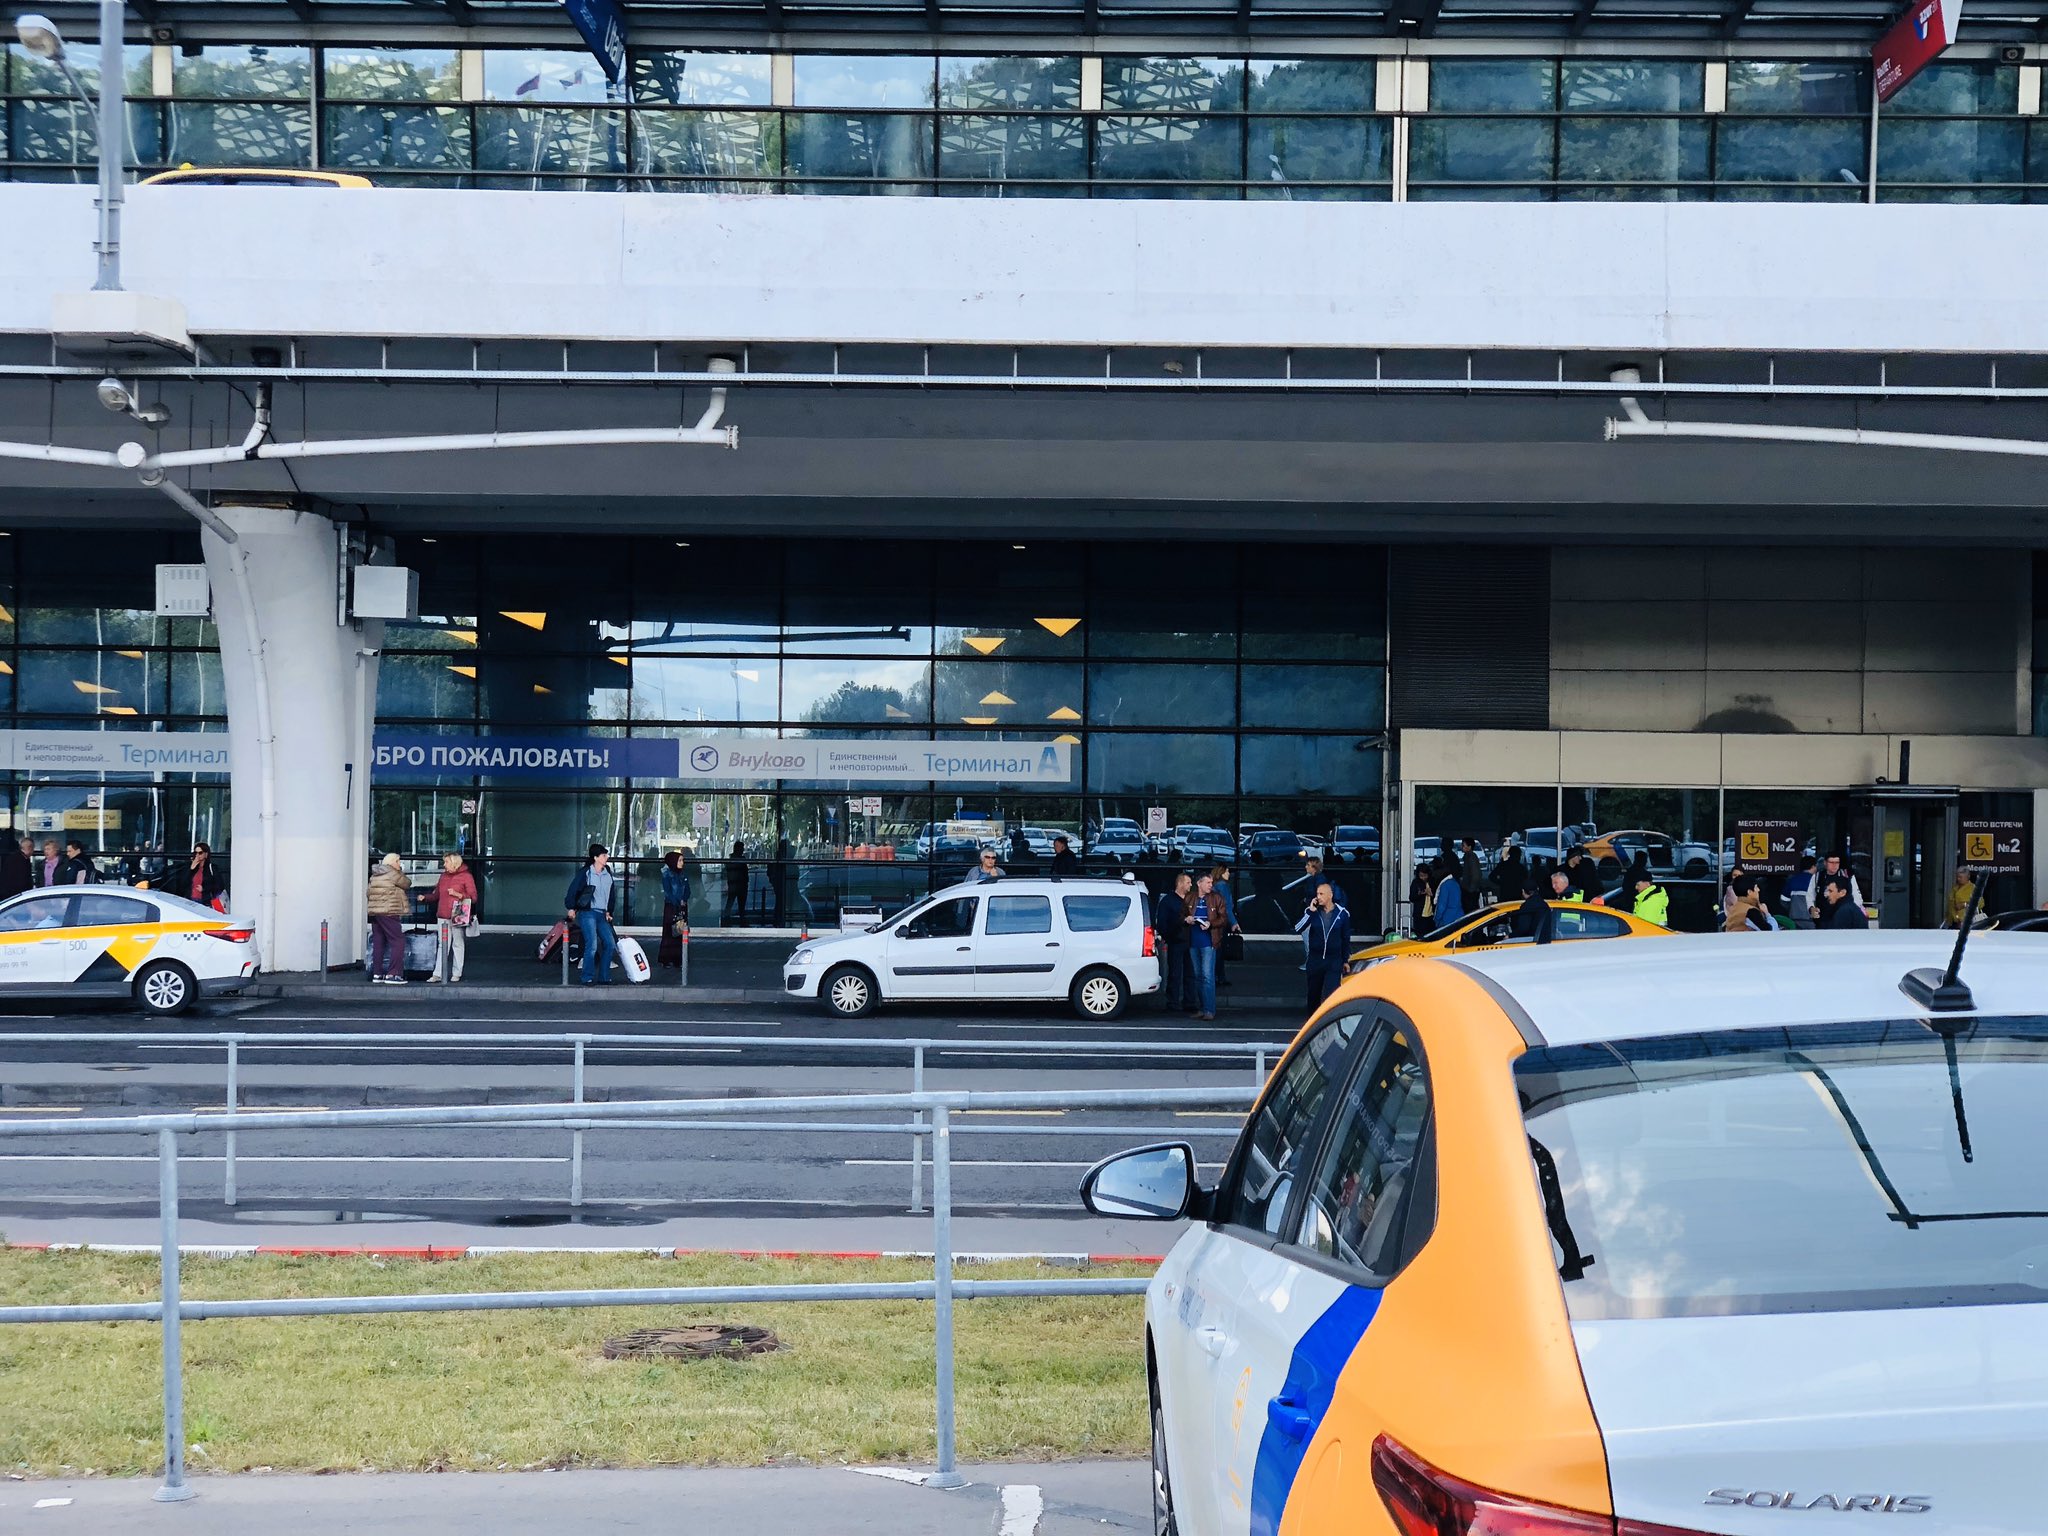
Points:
point(1471, 637)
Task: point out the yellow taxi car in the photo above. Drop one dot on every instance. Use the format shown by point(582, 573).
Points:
point(1619, 1240)
point(1494, 928)
point(78, 941)
point(195, 176)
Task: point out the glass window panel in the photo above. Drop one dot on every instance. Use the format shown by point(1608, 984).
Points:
point(871, 599)
point(107, 683)
point(1309, 765)
point(872, 146)
point(240, 133)
point(426, 687)
point(1005, 625)
point(1172, 85)
point(1147, 693)
point(64, 132)
point(687, 79)
point(552, 140)
point(1362, 1207)
point(565, 689)
point(1474, 149)
point(1776, 85)
point(857, 692)
point(1673, 829)
point(1154, 765)
point(236, 70)
point(734, 144)
point(1035, 148)
point(1791, 150)
point(1170, 148)
point(1953, 89)
point(31, 76)
point(1967, 150)
point(1492, 85)
point(83, 590)
point(1017, 914)
point(1310, 85)
point(196, 684)
point(864, 80)
point(1289, 149)
point(741, 688)
point(706, 595)
point(1304, 192)
point(1315, 604)
point(391, 74)
point(1167, 600)
point(1616, 149)
point(1008, 83)
point(1631, 85)
point(397, 138)
point(1255, 1194)
point(1006, 695)
point(1315, 698)
point(536, 76)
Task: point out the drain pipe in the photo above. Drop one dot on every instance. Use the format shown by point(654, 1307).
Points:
point(266, 742)
point(1635, 423)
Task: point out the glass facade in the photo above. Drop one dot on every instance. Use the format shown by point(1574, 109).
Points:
point(1014, 125)
point(1242, 698)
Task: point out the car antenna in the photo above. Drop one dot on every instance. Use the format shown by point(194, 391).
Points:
point(1941, 991)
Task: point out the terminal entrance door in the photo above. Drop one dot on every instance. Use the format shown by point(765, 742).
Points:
point(1911, 839)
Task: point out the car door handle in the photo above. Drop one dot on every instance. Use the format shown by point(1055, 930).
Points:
point(964, 949)
point(1052, 943)
point(1290, 1418)
point(1212, 1341)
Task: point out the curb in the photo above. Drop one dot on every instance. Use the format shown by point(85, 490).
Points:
point(492, 1250)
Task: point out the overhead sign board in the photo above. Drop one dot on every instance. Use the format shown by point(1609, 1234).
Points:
point(603, 26)
point(721, 759)
point(1913, 43)
point(94, 752)
point(1766, 847)
point(1995, 847)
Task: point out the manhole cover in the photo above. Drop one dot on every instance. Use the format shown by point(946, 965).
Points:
point(692, 1341)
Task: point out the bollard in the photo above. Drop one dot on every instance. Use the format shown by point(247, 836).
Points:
point(174, 1489)
point(565, 959)
point(228, 1141)
point(576, 1137)
point(1259, 1069)
point(942, 1293)
point(443, 960)
point(683, 975)
point(916, 1140)
point(323, 949)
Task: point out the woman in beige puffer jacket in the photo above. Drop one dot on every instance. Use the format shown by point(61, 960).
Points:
point(388, 902)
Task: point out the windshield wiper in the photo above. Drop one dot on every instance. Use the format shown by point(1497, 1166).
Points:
point(1575, 1261)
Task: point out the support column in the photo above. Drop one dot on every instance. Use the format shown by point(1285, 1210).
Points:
point(301, 702)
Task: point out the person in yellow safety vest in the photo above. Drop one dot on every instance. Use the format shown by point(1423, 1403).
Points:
point(1653, 902)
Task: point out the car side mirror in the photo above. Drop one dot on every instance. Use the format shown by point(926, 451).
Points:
point(1155, 1183)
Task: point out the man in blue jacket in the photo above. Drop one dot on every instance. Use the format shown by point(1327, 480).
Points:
point(589, 901)
point(1327, 929)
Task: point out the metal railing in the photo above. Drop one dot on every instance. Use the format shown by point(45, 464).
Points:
point(170, 1309)
point(580, 1046)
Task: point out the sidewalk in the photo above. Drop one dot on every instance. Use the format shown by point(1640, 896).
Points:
point(1019, 1499)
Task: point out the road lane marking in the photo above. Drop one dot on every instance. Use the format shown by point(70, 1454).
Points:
point(387, 1020)
point(958, 1162)
point(41, 1109)
point(115, 1157)
point(1210, 1114)
point(1042, 1112)
point(1022, 1505)
point(456, 1045)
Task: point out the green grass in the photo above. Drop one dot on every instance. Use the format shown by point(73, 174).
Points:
point(494, 1390)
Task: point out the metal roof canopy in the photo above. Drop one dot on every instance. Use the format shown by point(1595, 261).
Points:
point(954, 24)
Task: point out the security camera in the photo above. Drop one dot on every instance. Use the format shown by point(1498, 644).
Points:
point(114, 395)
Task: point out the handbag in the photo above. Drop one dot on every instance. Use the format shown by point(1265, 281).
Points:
point(1233, 947)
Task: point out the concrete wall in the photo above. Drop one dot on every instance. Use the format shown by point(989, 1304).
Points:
point(1769, 640)
point(1629, 276)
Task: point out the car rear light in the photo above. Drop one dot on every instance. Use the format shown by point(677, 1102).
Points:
point(1150, 939)
point(232, 935)
point(1425, 1501)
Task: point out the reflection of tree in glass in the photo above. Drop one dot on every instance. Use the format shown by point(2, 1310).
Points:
point(858, 703)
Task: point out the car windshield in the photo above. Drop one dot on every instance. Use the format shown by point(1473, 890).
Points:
point(1828, 1167)
point(1452, 929)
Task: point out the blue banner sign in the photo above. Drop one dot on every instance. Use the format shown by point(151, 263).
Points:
point(546, 757)
point(725, 758)
point(603, 27)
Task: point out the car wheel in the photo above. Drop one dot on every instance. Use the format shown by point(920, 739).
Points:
point(1099, 995)
point(165, 987)
point(1163, 1521)
point(1696, 869)
point(849, 991)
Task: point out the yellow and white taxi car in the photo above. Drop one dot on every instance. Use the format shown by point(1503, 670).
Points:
point(1626, 1239)
point(112, 941)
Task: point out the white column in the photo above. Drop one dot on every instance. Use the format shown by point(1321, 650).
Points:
point(289, 667)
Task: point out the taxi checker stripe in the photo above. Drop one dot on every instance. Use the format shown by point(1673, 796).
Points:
point(1311, 1383)
point(149, 932)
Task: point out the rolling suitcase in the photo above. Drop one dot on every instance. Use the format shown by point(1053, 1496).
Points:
point(422, 952)
point(633, 961)
point(559, 934)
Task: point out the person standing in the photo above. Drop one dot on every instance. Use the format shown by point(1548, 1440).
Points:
point(199, 881)
point(1471, 877)
point(589, 902)
point(1449, 895)
point(1799, 893)
point(1748, 914)
point(675, 909)
point(735, 885)
point(1219, 879)
point(986, 870)
point(1584, 875)
point(455, 906)
point(53, 860)
point(1510, 875)
point(1065, 861)
point(77, 868)
point(1959, 898)
point(1421, 901)
point(388, 901)
point(1735, 873)
point(1831, 868)
point(1327, 928)
point(1169, 923)
point(1205, 923)
point(1535, 918)
point(15, 874)
point(1844, 906)
point(1652, 902)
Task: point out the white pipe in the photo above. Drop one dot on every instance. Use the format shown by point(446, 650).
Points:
point(266, 736)
point(1639, 425)
point(584, 437)
point(716, 409)
point(51, 453)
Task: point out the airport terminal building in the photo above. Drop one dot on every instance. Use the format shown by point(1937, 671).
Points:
point(1027, 420)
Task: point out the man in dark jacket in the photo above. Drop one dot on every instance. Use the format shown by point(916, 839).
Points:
point(1471, 877)
point(1584, 875)
point(1510, 875)
point(15, 874)
point(76, 869)
point(1841, 911)
point(1534, 918)
point(1064, 860)
point(1327, 929)
point(1171, 937)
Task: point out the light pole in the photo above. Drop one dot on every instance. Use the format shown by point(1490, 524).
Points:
point(39, 36)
